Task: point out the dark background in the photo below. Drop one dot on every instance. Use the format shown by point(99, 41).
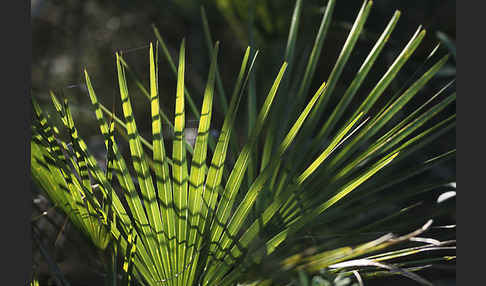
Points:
point(68, 36)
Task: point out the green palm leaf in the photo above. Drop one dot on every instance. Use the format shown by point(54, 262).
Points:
point(313, 170)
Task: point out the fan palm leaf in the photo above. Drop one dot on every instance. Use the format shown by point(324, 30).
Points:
point(189, 219)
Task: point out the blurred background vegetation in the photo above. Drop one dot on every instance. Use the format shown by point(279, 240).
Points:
point(70, 35)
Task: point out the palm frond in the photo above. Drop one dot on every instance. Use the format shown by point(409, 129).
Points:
point(187, 218)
